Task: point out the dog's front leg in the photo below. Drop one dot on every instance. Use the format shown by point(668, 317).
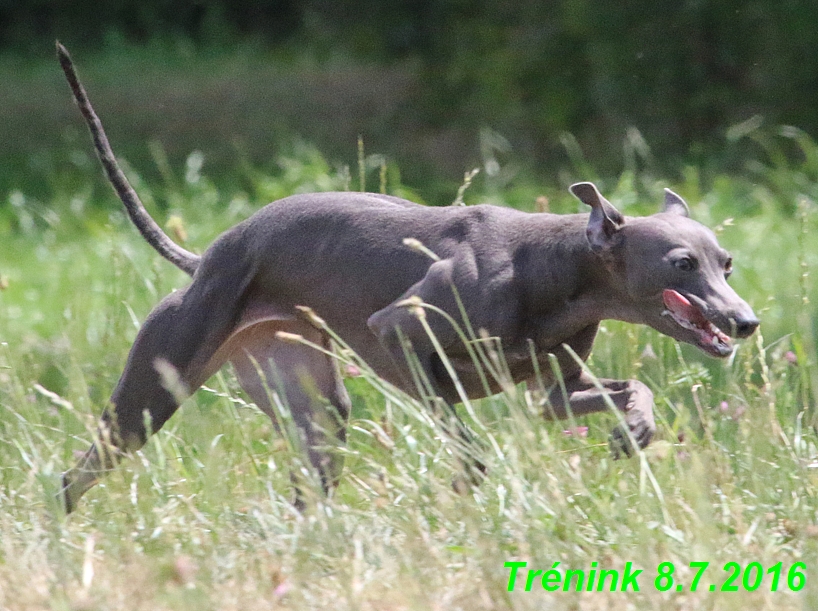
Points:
point(631, 397)
point(408, 330)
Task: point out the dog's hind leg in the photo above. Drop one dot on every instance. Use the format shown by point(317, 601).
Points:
point(172, 356)
point(306, 383)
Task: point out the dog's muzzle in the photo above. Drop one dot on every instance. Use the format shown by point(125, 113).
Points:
point(689, 315)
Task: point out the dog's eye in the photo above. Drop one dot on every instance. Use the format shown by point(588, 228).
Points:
point(686, 264)
point(728, 268)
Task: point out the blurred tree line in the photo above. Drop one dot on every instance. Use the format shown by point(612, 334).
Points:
point(682, 72)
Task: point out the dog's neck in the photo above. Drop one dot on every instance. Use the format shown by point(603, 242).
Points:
point(563, 272)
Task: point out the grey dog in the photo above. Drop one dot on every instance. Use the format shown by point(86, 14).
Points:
point(537, 283)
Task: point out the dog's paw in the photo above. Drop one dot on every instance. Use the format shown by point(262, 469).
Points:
point(470, 476)
point(641, 427)
point(638, 422)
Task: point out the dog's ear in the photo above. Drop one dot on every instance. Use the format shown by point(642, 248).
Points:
point(675, 204)
point(605, 220)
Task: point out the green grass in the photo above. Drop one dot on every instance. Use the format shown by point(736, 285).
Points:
point(200, 518)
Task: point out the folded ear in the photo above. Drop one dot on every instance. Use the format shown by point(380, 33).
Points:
point(675, 204)
point(605, 220)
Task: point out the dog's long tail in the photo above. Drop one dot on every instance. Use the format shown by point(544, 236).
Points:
point(150, 230)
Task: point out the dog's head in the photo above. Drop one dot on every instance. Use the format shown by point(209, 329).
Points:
point(672, 270)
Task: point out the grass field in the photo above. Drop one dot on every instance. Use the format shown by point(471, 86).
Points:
point(200, 518)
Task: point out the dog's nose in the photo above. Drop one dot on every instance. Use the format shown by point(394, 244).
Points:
point(745, 327)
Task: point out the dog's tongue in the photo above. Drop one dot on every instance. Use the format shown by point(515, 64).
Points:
point(682, 308)
point(711, 338)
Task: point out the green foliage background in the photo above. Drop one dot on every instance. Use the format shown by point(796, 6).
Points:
point(434, 74)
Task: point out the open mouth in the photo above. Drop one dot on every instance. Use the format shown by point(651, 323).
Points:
point(688, 316)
